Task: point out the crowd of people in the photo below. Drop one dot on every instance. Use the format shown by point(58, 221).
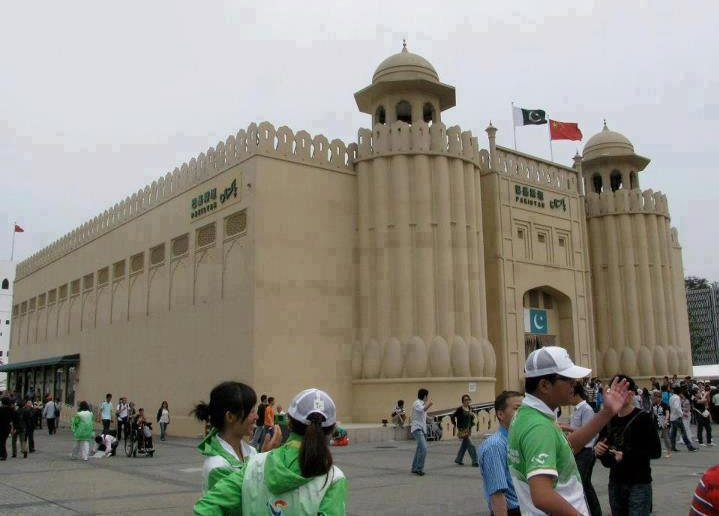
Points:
point(531, 465)
point(535, 464)
point(20, 416)
point(258, 458)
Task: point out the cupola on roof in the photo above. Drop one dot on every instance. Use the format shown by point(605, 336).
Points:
point(403, 72)
point(607, 143)
point(405, 66)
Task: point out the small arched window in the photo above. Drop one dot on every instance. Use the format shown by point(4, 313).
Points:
point(5, 284)
point(404, 112)
point(380, 116)
point(597, 183)
point(615, 180)
point(428, 112)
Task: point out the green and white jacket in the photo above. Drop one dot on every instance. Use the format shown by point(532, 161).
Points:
point(82, 426)
point(221, 458)
point(271, 483)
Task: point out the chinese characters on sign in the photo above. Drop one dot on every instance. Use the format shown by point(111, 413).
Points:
point(207, 201)
point(203, 203)
point(535, 197)
point(527, 195)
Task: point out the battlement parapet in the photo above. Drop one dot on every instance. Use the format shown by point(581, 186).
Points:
point(524, 167)
point(626, 201)
point(420, 138)
point(262, 139)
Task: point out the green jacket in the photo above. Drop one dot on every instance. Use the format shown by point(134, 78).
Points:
point(219, 463)
point(281, 475)
point(82, 426)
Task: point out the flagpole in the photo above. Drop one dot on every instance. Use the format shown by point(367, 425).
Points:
point(551, 152)
point(12, 251)
point(514, 127)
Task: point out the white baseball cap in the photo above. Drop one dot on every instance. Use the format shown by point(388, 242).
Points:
point(313, 401)
point(553, 360)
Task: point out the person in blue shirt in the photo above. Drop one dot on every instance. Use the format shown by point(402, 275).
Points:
point(498, 488)
point(106, 413)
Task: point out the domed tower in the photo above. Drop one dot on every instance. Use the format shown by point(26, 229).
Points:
point(405, 87)
point(422, 307)
point(637, 272)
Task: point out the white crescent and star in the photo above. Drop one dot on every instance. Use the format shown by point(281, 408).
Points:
point(534, 116)
point(537, 324)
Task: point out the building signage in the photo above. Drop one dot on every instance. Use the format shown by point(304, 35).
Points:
point(535, 321)
point(535, 197)
point(215, 198)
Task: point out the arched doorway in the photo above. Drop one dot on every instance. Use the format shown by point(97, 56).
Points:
point(547, 320)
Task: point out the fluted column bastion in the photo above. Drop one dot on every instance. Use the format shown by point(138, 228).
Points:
point(422, 282)
point(637, 272)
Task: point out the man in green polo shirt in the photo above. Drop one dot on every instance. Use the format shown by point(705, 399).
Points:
point(541, 458)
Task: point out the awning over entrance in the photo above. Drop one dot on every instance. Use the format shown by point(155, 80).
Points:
point(61, 360)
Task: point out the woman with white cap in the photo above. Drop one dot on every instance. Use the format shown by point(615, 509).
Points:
point(295, 479)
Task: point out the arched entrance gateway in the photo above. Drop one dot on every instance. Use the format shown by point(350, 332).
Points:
point(547, 320)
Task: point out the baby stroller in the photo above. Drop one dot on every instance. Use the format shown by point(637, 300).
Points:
point(140, 441)
point(434, 429)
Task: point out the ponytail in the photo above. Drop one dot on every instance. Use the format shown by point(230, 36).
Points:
point(315, 457)
point(201, 412)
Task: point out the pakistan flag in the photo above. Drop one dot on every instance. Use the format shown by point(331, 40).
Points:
point(529, 116)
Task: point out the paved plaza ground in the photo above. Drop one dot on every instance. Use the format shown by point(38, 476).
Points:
point(48, 482)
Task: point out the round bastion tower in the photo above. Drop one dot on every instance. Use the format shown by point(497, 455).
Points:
point(638, 279)
point(422, 304)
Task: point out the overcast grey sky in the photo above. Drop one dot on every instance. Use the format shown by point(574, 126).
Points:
point(99, 99)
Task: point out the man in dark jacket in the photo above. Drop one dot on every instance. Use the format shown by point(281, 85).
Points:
point(18, 424)
point(6, 417)
point(27, 414)
point(625, 446)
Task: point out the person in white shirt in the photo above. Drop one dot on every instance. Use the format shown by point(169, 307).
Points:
point(583, 413)
point(163, 417)
point(419, 430)
point(106, 444)
point(122, 412)
point(675, 419)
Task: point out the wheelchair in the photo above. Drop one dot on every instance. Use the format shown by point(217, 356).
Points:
point(138, 443)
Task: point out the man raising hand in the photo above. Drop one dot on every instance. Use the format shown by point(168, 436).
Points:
point(541, 458)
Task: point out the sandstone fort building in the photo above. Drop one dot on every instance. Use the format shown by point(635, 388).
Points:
point(418, 256)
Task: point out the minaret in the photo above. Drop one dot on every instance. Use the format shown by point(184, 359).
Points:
point(634, 267)
point(422, 307)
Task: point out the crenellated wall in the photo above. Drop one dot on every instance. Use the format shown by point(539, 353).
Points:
point(422, 306)
point(534, 170)
point(640, 303)
point(261, 139)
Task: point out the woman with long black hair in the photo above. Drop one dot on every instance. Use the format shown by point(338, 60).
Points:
point(297, 478)
point(231, 414)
